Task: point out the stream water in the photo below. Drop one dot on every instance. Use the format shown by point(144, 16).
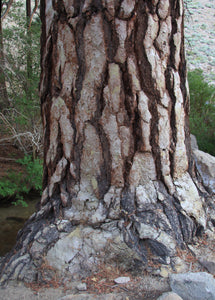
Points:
point(12, 219)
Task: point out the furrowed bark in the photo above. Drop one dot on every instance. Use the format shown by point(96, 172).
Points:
point(117, 160)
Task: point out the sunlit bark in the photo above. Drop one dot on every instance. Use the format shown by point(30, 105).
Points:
point(116, 138)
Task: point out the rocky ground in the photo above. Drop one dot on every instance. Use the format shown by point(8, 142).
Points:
point(200, 41)
point(145, 288)
point(148, 285)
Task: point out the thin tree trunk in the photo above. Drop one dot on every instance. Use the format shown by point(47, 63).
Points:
point(29, 52)
point(4, 101)
point(5, 8)
point(117, 164)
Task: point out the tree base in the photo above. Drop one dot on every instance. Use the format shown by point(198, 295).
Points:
point(154, 233)
point(74, 251)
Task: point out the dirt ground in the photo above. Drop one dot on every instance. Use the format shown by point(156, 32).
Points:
point(141, 288)
point(142, 285)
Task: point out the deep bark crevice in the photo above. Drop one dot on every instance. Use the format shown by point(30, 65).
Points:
point(126, 80)
point(117, 4)
point(144, 66)
point(137, 132)
point(113, 141)
point(60, 9)
point(170, 89)
point(111, 38)
point(104, 180)
point(171, 40)
point(78, 5)
point(172, 215)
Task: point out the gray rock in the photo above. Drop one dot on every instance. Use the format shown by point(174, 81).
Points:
point(205, 256)
point(205, 164)
point(198, 286)
point(169, 296)
point(78, 251)
point(208, 264)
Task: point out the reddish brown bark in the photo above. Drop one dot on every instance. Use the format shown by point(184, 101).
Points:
point(116, 138)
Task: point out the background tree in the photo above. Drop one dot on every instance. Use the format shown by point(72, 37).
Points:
point(29, 56)
point(202, 111)
point(20, 121)
point(119, 181)
point(21, 51)
point(4, 101)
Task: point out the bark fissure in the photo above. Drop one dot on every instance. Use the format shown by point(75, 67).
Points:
point(169, 86)
point(104, 180)
point(81, 57)
point(116, 138)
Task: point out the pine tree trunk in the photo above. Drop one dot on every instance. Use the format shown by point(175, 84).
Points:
point(119, 179)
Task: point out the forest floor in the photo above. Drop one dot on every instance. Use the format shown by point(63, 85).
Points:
point(200, 44)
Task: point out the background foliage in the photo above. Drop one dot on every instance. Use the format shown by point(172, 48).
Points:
point(20, 121)
point(202, 111)
point(16, 185)
point(22, 77)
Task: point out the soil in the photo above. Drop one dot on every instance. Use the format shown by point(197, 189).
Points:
point(148, 288)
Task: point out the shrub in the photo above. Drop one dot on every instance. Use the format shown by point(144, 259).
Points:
point(202, 111)
point(16, 185)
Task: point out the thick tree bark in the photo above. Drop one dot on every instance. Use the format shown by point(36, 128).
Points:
point(118, 170)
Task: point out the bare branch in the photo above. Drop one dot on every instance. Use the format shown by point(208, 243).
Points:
point(13, 131)
point(8, 159)
point(28, 141)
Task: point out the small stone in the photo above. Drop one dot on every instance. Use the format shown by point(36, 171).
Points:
point(164, 272)
point(81, 286)
point(122, 280)
point(179, 265)
point(169, 296)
